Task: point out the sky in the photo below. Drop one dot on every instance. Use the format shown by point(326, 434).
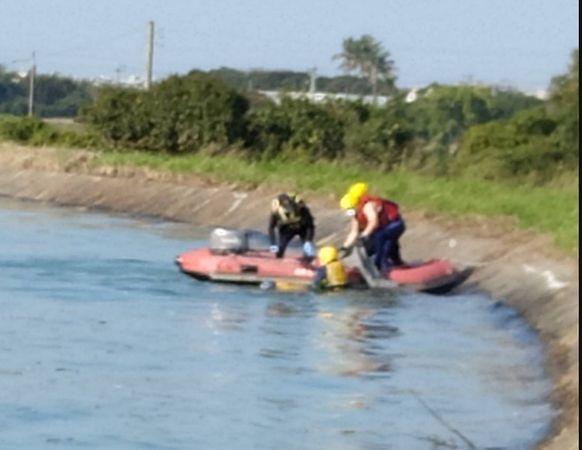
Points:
point(520, 43)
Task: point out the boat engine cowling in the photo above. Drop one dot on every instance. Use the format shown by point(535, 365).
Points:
point(224, 241)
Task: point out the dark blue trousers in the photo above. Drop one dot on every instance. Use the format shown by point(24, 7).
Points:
point(386, 248)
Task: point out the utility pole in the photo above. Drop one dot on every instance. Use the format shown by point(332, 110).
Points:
point(374, 81)
point(31, 77)
point(149, 55)
point(118, 71)
point(312, 78)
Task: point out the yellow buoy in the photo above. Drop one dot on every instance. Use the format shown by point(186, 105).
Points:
point(290, 286)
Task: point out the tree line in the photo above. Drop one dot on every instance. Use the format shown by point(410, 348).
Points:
point(490, 132)
point(485, 131)
point(54, 95)
point(60, 96)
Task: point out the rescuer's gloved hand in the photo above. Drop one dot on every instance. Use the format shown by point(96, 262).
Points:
point(345, 252)
point(363, 241)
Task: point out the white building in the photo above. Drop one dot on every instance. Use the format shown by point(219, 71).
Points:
point(319, 97)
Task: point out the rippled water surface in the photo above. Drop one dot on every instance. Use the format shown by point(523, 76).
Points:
point(105, 345)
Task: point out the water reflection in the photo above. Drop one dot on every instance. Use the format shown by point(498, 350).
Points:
point(351, 336)
point(354, 339)
point(280, 309)
point(224, 318)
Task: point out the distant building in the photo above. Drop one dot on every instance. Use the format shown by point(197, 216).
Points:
point(319, 97)
point(542, 94)
point(129, 81)
point(411, 96)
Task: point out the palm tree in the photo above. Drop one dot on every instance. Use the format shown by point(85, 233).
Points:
point(367, 56)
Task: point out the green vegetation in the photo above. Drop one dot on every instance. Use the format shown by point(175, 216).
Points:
point(288, 80)
point(450, 149)
point(184, 114)
point(460, 196)
point(368, 57)
point(177, 115)
point(55, 96)
point(538, 144)
point(32, 131)
point(553, 211)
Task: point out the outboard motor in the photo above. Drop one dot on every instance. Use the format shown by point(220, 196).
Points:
point(224, 241)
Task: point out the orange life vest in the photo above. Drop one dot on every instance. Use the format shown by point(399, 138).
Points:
point(389, 211)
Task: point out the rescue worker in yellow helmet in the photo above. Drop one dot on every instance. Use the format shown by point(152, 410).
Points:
point(376, 224)
point(291, 217)
point(331, 274)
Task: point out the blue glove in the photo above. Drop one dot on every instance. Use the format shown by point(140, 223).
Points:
point(309, 250)
point(274, 248)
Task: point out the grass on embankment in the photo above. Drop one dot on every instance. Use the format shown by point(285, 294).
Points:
point(548, 210)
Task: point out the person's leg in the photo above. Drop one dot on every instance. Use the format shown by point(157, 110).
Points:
point(371, 245)
point(285, 236)
point(394, 254)
point(383, 255)
point(377, 250)
point(387, 245)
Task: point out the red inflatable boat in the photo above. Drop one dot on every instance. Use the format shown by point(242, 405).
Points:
point(230, 258)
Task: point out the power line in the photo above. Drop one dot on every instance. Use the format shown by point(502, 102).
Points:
point(125, 34)
point(70, 51)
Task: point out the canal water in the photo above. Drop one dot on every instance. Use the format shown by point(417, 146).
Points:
point(104, 344)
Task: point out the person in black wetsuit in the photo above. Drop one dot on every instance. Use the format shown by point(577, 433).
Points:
point(291, 217)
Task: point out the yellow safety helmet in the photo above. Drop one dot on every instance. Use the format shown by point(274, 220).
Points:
point(357, 190)
point(347, 202)
point(327, 255)
point(352, 197)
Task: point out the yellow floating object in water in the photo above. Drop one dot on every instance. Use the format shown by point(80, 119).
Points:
point(290, 286)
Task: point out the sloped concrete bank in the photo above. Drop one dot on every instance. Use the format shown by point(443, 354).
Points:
point(519, 268)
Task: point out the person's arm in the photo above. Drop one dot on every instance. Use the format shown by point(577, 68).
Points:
point(352, 235)
point(371, 213)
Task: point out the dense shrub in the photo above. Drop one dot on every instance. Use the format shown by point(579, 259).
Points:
point(538, 143)
point(485, 131)
point(33, 131)
point(116, 114)
point(315, 129)
point(443, 113)
point(191, 112)
point(180, 114)
point(20, 129)
point(380, 140)
point(564, 107)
